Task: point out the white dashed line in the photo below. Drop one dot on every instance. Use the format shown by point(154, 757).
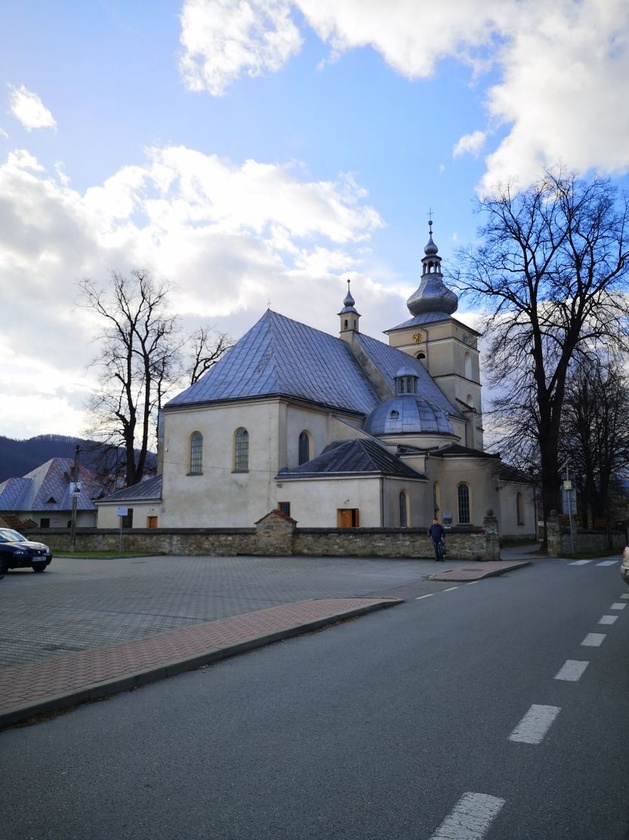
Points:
point(608, 563)
point(419, 598)
point(451, 588)
point(593, 639)
point(470, 818)
point(535, 724)
point(608, 619)
point(625, 596)
point(474, 582)
point(617, 606)
point(571, 670)
point(579, 563)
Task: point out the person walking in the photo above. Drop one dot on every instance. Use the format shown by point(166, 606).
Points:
point(438, 534)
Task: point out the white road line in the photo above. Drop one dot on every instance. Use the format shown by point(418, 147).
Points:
point(608, 563)
point(535, 724)
point(625, 596)
point(608, 619)
point(593, 639)
point(571, 670)
point(617, 606)
point(470, 818)
point(579, 563)
point(474, 582)
point(449, 589)
point(419, 598)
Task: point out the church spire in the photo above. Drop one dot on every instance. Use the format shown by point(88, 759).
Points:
point(433, 296)
point(348, 314)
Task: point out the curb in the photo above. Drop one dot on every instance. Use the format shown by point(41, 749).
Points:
point(107, 688)
point(469, 573)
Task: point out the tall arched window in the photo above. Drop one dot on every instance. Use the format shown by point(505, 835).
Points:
point(519, 508)
point(403, 509)
point(241, 450)
point(196, 453)
point(468, 366)
point(463, 493)
point(304, 447)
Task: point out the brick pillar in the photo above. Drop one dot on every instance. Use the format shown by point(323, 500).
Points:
point(274, 534)
point(492, 536)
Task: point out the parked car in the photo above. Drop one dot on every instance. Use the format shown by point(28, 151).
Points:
point(624, 566)
point(16, 552)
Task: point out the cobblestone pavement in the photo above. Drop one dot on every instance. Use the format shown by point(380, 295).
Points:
point(87, 628)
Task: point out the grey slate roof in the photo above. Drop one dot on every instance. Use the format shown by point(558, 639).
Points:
point(144, 491)
point(47, 487)
point(353, 457)
point(282, 357)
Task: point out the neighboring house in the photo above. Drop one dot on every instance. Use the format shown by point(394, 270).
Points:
point(338, 431)
point(137, 506)
point(44, 497)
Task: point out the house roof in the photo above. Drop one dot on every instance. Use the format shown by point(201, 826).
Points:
point(353, 457)
point(144, 491)
point(47, 487)
point(282, 357)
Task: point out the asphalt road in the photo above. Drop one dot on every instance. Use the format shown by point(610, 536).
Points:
point(443, 719)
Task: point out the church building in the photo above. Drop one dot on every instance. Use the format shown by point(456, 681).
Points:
point(337, 431)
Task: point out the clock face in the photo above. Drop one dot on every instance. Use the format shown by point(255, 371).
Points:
point(417, 337)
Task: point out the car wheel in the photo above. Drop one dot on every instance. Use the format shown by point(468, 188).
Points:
point(38, 567)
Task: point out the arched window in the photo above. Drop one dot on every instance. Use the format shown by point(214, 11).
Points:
point(196, 453)
point(519, 509)
point(463, 493)
point(468, 366)
point(403, 509)
point(241, 450)
point(304, 447)
point(436, 498)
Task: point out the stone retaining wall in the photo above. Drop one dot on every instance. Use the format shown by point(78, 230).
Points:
point(560, 543)
point(276, 534)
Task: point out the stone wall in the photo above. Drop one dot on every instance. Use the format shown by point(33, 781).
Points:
point(277, 534)
point(560, 543)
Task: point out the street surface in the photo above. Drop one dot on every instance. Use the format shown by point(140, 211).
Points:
point(491, 710)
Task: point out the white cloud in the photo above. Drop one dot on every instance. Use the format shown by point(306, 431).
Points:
point(223, 39)
point(227, 236)
point(470, 144)
point(562, 66)
point(29, 110)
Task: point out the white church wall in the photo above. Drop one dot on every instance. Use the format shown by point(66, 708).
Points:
point(314, 502)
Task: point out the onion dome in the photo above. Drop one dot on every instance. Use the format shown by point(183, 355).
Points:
point(432, 298)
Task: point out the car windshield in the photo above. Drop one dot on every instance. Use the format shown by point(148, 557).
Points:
point(7, 535)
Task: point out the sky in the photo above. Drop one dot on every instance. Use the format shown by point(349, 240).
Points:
point(256, 153)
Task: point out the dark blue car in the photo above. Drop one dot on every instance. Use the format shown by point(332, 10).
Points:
point(16, 552)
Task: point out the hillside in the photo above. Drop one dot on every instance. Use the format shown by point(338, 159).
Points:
point(18, 457)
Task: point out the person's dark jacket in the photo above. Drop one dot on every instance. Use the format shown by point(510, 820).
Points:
point(437, 532)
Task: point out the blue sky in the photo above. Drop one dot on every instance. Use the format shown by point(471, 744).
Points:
point(256, 151)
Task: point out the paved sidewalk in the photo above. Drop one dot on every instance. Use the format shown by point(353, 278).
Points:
point(478, 571)
point(57, 684)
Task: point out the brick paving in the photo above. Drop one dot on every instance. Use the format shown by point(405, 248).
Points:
point(88, 629)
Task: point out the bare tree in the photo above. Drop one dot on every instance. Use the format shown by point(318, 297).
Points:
point(552, 262)
point(140, 359)
point(595, 439)
point(207, 348)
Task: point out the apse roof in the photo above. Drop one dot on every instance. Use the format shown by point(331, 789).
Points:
point(353, 457)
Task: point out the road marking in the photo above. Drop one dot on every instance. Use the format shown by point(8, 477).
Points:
point(470, 818)
point(608, 619)
point(535, 724)
point(473, 582)
point(450, 588)
point(617, 606)
point(424, 596)
point(608, 563)
point(571, 670)
point(625, 596)
point(593, 639)
point(580, 563)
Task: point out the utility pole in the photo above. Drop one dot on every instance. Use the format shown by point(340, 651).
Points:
point(75, 490)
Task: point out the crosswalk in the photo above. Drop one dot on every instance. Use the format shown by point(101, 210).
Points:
point(588, 562)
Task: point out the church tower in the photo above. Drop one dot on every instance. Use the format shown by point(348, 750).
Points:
point(445, 346)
